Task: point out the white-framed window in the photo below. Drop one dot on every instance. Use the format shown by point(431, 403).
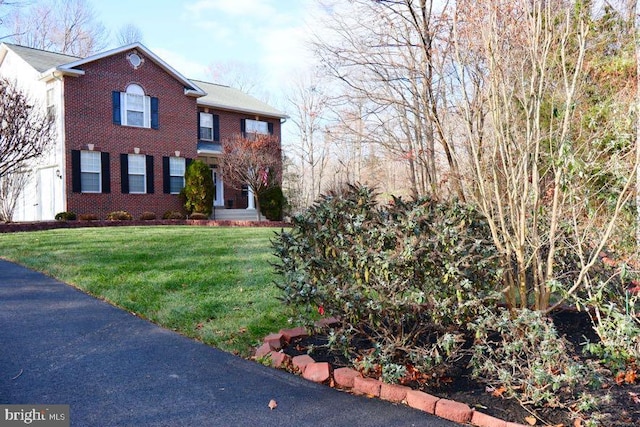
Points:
point(51, 106)
point(90, 172)
point(136, 107)
point(256, 127)
point(137, 167)
point(177, 166)
point(206, 126)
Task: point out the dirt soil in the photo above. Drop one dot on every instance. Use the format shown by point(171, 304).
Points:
point(620, 407)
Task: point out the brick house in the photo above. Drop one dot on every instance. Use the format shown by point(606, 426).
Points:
point(128, 125)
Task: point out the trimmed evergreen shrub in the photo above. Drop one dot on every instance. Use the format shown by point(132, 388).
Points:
point(198, 189)
point(119, 216)
point(272, 203)
point(65, 216)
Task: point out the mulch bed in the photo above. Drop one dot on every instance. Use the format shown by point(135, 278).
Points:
point(622, 401)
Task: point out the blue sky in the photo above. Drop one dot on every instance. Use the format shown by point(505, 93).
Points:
point(190, 35)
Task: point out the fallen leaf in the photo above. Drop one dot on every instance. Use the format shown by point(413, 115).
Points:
point(630, 377)
point(531, 420)
point(499, 392)
point(620, 378)
point(577, 422)
point(273, 404)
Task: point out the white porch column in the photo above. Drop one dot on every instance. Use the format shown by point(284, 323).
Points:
point(252, 201)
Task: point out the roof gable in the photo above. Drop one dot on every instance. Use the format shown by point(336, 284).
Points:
point(190, 87)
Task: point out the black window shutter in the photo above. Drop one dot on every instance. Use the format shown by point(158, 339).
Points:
point(150, 188)
point(115, 96)
point(106, 172)
point(243, 127)
point(198, 125)
point(270, 127)
point(154, 113)
point(166, 179)
point(216, 128)
point(187, 163)
point(124, 173)
point(76, 185)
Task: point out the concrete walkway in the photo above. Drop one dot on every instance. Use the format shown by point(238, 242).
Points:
point(61, 346)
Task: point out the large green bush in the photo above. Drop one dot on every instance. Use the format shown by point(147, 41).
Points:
point(407, 276)
point(272, 203)
point(198, 188)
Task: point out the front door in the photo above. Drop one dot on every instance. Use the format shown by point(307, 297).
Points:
point(218, 194)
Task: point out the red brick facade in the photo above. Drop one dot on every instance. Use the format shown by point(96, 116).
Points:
point(230, 126)
point(88, 118)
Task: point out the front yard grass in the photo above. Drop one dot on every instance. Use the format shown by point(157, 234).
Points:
point(212, 284)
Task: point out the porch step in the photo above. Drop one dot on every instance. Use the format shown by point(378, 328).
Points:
point(222, 214)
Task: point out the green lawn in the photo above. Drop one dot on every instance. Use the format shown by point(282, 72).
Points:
point(213, 284)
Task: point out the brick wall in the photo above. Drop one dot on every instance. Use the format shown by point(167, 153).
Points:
point(88, 120)
point(229, 127)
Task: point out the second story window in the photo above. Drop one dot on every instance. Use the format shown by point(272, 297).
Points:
point(134, 108)
point(252, 128)
point(51, 106)
point(206, 126)
point(256, 127)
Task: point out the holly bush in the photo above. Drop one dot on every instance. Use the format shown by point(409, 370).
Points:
point(405, 277)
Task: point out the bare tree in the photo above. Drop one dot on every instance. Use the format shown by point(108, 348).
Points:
point(11, 187)
point(532, 163)
point(240, 75)
point(128, 34)
point(308, 100)
point(65, 26)
point(26, 133)
point(390, 58)
point(254, 160)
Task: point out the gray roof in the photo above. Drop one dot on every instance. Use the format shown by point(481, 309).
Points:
point(228, 98)
point(217, 96)
point(41, 60)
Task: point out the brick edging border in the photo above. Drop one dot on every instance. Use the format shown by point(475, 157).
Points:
point(353, 381)
point(13, 227)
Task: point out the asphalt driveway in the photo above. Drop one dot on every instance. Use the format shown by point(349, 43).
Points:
point(61, 346)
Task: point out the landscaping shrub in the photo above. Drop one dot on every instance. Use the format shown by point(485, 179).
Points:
point(198, 188)
point(523, 357)
point(198, 215)
point(119, 216)
point(88, 217)
point(406, 277)
point(147, 216)
point(272, 203)
point(65, 216)
point(173, 215)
